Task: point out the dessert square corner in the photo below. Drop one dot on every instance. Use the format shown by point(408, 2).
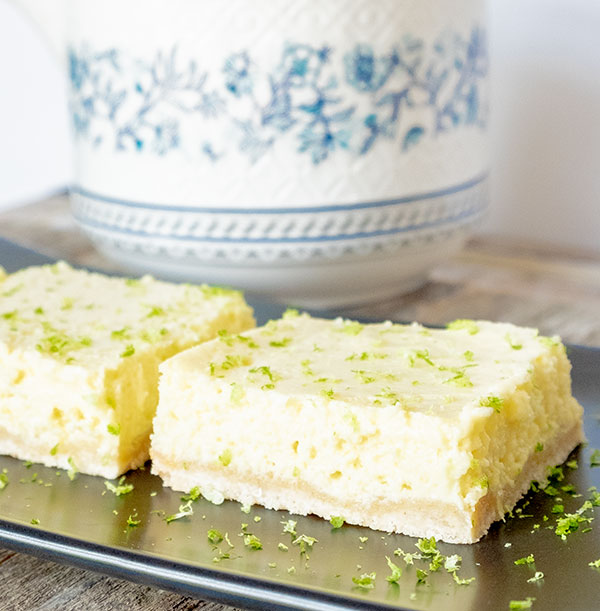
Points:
point(400, 428)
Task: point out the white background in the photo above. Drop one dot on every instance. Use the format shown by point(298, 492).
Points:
point(545, 105)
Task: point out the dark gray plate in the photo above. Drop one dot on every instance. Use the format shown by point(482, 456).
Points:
point(83, 524)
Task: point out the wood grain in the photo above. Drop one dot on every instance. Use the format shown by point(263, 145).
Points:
point(557, 291)
point(30, 583)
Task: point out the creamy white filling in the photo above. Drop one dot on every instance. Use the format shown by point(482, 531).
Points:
point(367, 414)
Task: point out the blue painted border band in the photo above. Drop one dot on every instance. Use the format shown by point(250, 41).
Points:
point(297, 210)
point(472, 212)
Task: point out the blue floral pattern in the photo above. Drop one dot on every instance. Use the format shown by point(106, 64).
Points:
point(324, 101)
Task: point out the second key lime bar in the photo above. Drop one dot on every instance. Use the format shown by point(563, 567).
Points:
point(79, 356)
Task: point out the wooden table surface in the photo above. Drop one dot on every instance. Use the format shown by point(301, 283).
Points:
point(556, 290)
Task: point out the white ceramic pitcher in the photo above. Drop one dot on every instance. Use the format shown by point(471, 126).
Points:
point(322, 153)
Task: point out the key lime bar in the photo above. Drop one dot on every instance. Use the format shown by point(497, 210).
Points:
point(400, 428)
point(79, 356)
